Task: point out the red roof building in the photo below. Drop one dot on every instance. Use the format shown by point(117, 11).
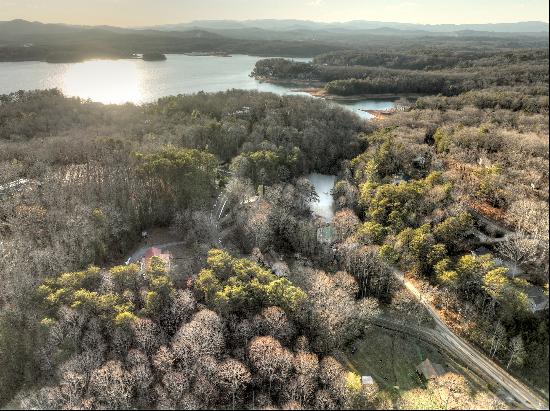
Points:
point(154, 252)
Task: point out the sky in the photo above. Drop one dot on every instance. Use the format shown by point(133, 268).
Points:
point(129, 13)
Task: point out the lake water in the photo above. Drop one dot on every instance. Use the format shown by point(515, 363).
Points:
point(323, 184)
point(138, 81)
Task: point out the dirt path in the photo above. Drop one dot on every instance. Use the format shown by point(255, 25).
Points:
point(472, 357)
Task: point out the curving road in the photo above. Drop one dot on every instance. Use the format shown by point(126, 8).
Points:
point(472, 357)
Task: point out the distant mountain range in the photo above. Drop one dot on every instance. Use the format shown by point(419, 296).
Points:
point(290, 25)
point(22, 40)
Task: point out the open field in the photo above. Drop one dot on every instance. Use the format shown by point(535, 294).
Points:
point(391, 359)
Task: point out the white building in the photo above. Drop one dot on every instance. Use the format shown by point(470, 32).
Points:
point(367, 380)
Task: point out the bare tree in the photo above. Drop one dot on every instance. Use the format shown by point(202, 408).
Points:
point(306, 366)
point(182, 305)
point(274, 321)
point(345, 223)
point(270, 359)
point(111, 384)
point(332, 376)
point(517, 351)
point(324, 401)
point(498, 338)
point(176, 384)
point(202, 336)
point(148, 335)
point(163, 360)
point(519, 249)
point(233, 376)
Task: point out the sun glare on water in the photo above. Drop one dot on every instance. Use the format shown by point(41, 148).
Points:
point(106, 81)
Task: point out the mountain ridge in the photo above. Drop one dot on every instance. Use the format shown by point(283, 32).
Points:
point(284, 25)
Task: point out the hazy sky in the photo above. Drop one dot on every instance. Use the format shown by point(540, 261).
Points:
point(150, 12)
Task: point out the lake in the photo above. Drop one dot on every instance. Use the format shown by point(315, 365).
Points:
point(323, 184)
point(138, 81)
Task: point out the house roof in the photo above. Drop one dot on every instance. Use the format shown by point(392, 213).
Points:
point(154, 252)
point(536, 294)
point(151, 252)
point(430, 370)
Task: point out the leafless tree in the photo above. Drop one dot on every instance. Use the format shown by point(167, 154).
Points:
point(324, 401)
point(270, 359)
point(233, 376)
point(202, 336)
point(148, 335)
point(176, 384)
point(111, 385)
point(498, 339)
point(274, 321)
point(516, 351)
point(306, 366)
point(163, 360)
point(345, 223)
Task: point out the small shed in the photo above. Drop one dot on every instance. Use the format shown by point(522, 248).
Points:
point(367, 380)
point(429, 369)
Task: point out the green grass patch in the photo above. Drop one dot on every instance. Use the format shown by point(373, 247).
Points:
point(391, 359)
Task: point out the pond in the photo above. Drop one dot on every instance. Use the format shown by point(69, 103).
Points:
point(323, 184)
point(138, 81)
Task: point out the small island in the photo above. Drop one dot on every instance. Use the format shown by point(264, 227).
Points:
point(153, 57)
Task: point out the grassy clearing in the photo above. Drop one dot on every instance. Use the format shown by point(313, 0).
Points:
point(391, 359)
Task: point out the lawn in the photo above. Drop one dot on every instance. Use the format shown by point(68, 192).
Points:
point(391, 359)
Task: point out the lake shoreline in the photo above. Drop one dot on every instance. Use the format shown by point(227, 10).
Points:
point(119, 81)
point(316, 89)
point(60, 59)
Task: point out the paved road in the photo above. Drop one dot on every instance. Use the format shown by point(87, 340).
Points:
point(474, 358)
point(216, 214)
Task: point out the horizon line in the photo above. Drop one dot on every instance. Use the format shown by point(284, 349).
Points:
point(282, 19)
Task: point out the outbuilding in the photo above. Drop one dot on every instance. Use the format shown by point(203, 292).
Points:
point(430, 370)
point(367, 380)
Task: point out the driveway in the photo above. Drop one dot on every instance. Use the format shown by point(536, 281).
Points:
point(474, 358)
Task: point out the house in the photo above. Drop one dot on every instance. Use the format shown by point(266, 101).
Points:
point(243, 111)
point(367, 380)
point(154, 252)
point(430, 370)
point(537, 298)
